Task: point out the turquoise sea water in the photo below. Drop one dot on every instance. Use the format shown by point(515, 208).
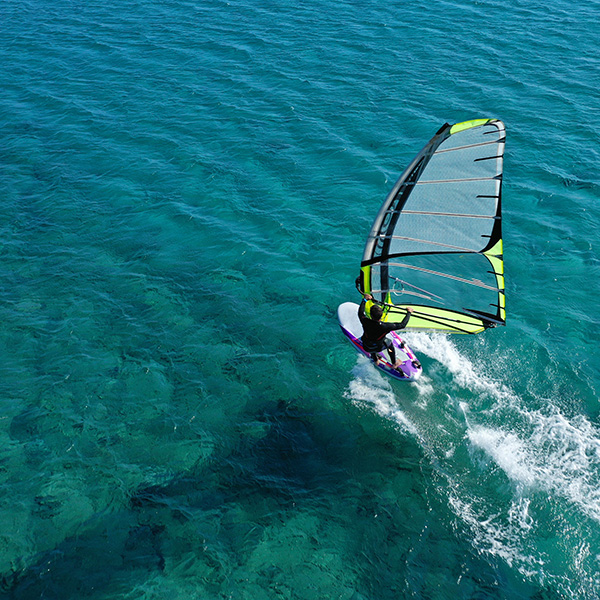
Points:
point(185, 189)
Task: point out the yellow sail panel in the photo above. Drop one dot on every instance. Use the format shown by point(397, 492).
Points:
point(439, 319)
point(366, 279)
point(468, 125)
point(494, 255)
point(496, 249)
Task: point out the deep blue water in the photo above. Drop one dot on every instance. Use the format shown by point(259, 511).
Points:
point(186, 188)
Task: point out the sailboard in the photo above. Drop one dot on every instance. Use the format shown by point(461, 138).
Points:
point(410, 368)
point(436, 243)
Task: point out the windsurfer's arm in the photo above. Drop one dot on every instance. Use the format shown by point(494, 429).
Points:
point(357, 284)
point(361, 310)
point(402, 324)
point(365, 296)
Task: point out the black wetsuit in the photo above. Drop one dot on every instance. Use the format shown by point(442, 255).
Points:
point(374, 333)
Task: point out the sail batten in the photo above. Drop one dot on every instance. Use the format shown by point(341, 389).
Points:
point(437, 238)
point(402, 237)
point(441, 214)
point(455, 180)
point(487, 143)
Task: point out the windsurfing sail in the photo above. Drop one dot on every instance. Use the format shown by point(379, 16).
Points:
point(436, 243)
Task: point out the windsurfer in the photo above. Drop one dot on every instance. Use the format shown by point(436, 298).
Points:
point(375, 332)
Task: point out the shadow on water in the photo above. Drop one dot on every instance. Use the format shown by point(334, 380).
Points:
point(315, 504)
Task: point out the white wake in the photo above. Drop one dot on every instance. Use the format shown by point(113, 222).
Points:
point(528, 465)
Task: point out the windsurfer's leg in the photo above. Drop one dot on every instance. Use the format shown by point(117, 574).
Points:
point(392, 352)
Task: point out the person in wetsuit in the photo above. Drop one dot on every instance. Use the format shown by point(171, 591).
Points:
point(375, 332)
